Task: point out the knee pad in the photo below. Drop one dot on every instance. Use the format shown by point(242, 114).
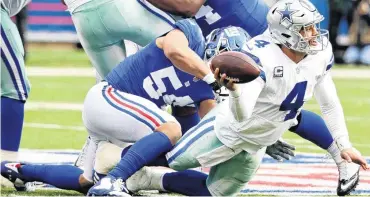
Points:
point(107, 157)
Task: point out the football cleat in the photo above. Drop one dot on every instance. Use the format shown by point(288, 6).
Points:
point(349, 177)
point(109, 186)
point(147, 178)
point(10, 171)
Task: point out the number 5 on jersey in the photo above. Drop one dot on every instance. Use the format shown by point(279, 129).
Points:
point(175, 82)
point(294, 100)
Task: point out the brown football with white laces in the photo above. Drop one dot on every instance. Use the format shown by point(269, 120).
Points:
point(237, 66)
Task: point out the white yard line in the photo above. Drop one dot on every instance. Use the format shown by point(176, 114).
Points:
point(53, 126)
point(89, 72)
point(53, 106)
point(305, 142)
point(60, 72)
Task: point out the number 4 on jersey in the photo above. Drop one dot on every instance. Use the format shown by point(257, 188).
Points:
point(289, 104)
point(261, 43)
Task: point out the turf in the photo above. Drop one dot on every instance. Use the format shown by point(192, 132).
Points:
point(56, 57)
point(60, 89)
point(12, 192)
point(354, 94)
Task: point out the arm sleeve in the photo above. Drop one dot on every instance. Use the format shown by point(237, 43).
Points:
point(243, 100)
point(331, 108)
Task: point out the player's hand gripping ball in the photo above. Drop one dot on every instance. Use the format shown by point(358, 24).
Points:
point(238, 67)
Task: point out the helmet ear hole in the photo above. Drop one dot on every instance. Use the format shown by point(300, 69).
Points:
point(214, 37)
point(273, 11)
point(286, 35)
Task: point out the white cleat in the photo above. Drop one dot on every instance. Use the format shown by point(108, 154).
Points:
point(147, 178)
point(349, 177)
point(109, 186)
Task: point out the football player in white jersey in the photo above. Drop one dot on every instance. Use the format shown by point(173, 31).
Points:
point(215, 14)
point(295, 58)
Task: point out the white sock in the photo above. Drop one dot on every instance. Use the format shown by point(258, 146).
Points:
point(334, 151)
point(9, 155)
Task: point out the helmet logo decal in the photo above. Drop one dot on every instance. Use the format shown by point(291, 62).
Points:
point(287, 13)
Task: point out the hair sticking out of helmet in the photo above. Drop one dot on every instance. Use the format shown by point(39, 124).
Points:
point(225, 39)
point(296, 25)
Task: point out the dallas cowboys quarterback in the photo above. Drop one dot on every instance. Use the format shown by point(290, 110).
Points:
point(231, 138)
point(251, 16)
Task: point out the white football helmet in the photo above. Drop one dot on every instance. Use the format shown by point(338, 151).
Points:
point(288, 20)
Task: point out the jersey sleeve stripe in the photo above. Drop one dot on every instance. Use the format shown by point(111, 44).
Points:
point(263, 75)
point(331, 62)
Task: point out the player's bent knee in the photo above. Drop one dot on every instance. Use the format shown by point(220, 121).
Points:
point(172, 131)
point(107, 156)
point(224, 181)
point(229, 186)
point(226, 187)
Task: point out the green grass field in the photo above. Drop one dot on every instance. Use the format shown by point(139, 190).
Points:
point(56, 57)
point(354, 94)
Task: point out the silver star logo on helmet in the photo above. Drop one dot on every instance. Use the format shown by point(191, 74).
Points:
point(286, 13)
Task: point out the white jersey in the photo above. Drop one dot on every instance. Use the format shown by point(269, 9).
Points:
point(14, 6)
point(274, 100)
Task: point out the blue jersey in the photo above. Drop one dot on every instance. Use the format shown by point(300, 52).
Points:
point(149, 73)
point(247, 14)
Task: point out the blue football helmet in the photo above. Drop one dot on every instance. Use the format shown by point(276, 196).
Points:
point(225, 39)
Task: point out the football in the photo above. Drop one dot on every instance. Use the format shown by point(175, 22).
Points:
point(237, 66)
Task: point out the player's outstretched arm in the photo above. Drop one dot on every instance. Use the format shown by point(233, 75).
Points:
point(175, 47)
point(331, 108)
point(243, 97)
point(186, 8)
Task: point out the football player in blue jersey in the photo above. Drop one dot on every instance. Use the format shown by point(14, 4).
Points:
point(125, 108)
point(151, 73)
point(249, 15)
point(212, 14)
